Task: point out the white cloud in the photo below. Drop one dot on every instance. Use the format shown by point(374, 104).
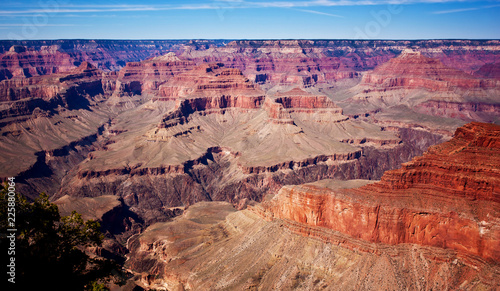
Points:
point(464, 9)
point(455, 10)
point(231, 4)
point(320, 13)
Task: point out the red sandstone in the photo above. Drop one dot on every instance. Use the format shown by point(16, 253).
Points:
point(447, 198)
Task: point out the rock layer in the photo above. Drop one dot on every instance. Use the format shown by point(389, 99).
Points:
point(413, 86)
point(212, 247)
point(448, 198)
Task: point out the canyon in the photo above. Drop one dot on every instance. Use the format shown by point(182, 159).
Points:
point(291, 149)
point(431, 224)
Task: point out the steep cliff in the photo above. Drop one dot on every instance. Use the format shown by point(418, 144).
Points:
point(213, 247)
point(147, 76)
point(491, 70)
point(20, 61)
point(423, 87)
point(433, 224)
point(73, 90)
point(412, 70)
point(448, 198)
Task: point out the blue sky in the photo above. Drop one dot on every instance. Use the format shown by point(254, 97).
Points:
point(253, 19)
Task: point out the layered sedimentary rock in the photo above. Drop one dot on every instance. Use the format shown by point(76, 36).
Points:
point(212, 246)
point(146, 77)
point(215, 136)
point(40, 57)
point(20, 96)
point(308, 62)
point(48, 125)
point(490, 70)
point(448, 198)
point(413, 87)
point(244, 115)
point(209, 80)
point(412, 70)
point(433, 224)
point(190, 121)
point(20, 61)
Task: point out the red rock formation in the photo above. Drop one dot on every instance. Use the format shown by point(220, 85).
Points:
point(49, 91)
point(478, 111)
point(147, 76)
point(282, 105)
point(412, 70)
point(208, 80)
point(22, 62)
point(47, 87)
point(466, 166)
point(414, 85)
point(491, 70)
point(306, 102)
point(448, 198)
point(276, 112)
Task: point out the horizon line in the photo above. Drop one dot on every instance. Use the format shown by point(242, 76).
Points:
point(246, 39)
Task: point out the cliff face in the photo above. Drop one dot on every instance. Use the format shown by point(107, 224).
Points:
point(165, 124)
point(465, 167)
point(448, 198)
point(147, 76)
point(415, 87)
point(217, 137)
point(72, 89)
point(420, 227)
point(41, 57)
point(491, 70)
point(299, 62)
point(412, 70)
point(20, 61)
point(213, 247)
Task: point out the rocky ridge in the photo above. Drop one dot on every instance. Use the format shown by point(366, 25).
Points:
point(448, 198)
point(414, 88)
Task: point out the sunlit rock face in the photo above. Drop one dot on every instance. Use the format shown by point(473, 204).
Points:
point(434, 223)
point(447, 198)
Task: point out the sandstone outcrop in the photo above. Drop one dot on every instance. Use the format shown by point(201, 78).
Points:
point(416, 86)
point(72, 89)
point(212, 246)
point(147, 76)
point(412, 70)
point(22, 62)
point(448, 198)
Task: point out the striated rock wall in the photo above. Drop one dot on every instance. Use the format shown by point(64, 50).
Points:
point(412, 70)
point(478, 111)
point(23, 62)
point(150, 189)
point(490, 70)
point(466, 166)
point(71, 90)
point(283, 107)
point(303, 62)
point(212, 246)
point(147, 76)
point(448, 198)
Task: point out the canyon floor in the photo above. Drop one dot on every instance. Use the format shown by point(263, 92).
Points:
point(259, 165)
